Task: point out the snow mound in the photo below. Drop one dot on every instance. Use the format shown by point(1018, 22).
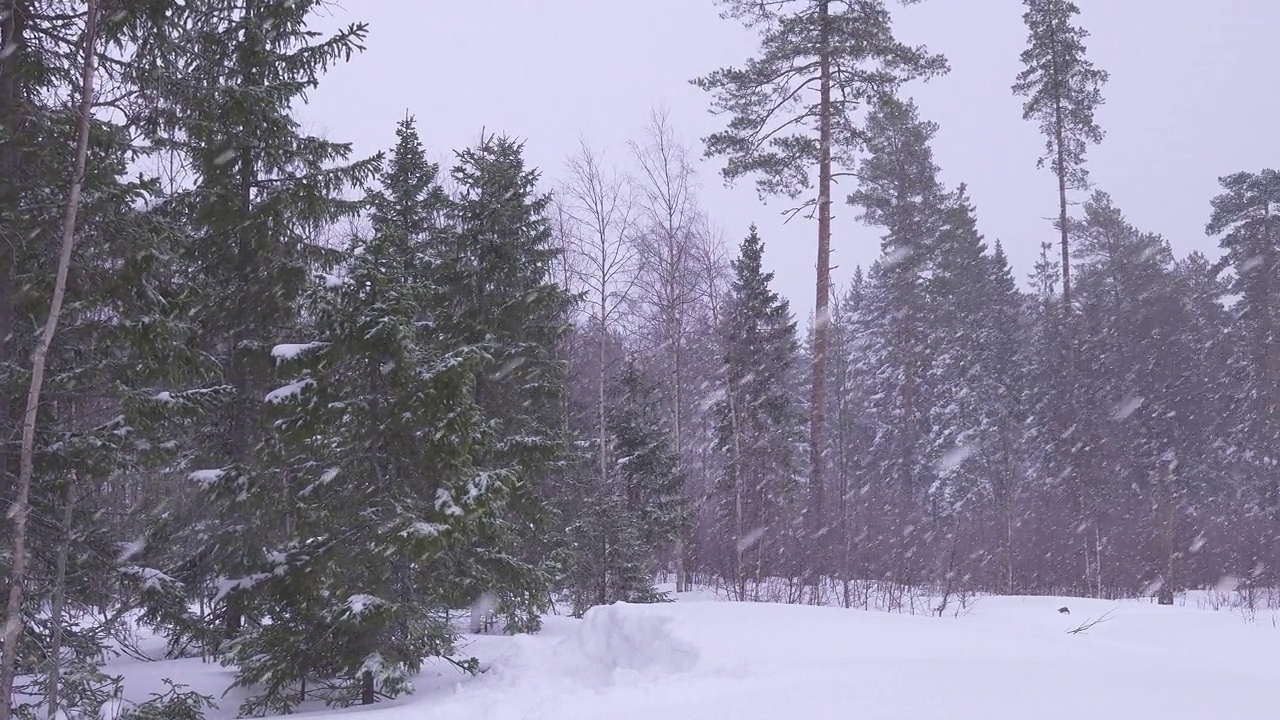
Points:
point(631, 639)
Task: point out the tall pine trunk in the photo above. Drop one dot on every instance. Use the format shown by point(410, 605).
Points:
point(821, 313)
point(1064, 229)
point(19, 512)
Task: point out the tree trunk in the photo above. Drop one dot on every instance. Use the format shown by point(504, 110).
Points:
point(1064, 229)
point(677, 400)
point(601, 409)
point(1167, 588)
point(368, 695)
point(12, 32)
point(59, 598)
point(821, 312)
point(14, 625)
point(738, 522)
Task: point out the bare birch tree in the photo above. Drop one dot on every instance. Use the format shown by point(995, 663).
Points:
point(598, 210)
point(19, 512)
point(668, 288)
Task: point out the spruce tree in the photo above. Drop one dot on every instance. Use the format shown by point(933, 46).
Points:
point(495, 269)
point(758, 419)
point(220, 90)
point(852, 431)
point(624, 527)
point(645, 463)
point(1131, 360)
point(900, 193)
point(793, 111)
point(118, 333)
point(961, 291)
point(380, 428)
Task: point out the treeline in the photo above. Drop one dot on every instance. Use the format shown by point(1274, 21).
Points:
point(304, 412)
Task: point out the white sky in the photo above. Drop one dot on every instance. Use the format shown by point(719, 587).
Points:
point(1192, 97)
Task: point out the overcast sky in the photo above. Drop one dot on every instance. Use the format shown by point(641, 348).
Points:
point(1192, 97)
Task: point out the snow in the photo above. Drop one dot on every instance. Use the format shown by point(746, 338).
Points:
point(206, 477)
point(1128, 406)
point(288, 392)
point(1002, 658)
point(955, 457)
point(149, 578)
point(291, 351)
point(359, 604)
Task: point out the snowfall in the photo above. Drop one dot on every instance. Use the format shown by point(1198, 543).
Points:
point(698, 657)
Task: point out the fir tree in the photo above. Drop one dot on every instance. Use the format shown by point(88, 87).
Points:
point(220, 93)
point(494, 267)
point(627, 525)
point(380, 426)
point(758, 418)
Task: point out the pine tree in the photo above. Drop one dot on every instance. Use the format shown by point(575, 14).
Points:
point(900, 193)
point(1244, 218)
point(758, 418)
point(792, 111)
point(1063, 90)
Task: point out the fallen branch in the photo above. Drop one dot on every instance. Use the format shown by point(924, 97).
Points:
point(1089, 624)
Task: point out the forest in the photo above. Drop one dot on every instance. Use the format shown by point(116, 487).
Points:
point(304, 412)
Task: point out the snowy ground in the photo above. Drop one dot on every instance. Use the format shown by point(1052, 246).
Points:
point(1006, 658)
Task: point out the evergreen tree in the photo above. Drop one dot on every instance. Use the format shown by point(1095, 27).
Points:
point(852, 432)
point(220, 91)
point(118, 333)
point(496, 272)
point(1003, 385)
point(900, 193)
point(962, 292)
point(380, 427)
point(1244, 218)
point(1131, 361)
point(758, 418)
point(792, 110)
point(1063, 90)
point(624, 528)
